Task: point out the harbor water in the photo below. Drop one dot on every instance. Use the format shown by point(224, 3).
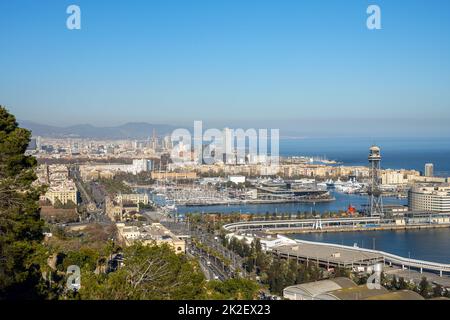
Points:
point(342, 202)
point(424, 244)
point(403, 153)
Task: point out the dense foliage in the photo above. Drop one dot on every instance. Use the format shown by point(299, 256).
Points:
point(153, 273)
point(20, 223)
point(148, 272)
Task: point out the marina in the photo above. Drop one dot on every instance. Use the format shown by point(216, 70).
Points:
point(341, 203)
point(265, 192)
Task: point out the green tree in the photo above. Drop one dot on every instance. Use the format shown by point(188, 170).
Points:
point(402, 284)
point(424, 287)
point(438, 290)
point(276, 276)
point(68, 205)
point(85, 258)
point(394, 283)
point(149, 273)
point(258, 247)
point(341, 272)
point(20, 223)
point(232, 289)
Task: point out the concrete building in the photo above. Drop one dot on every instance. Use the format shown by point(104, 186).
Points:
point(344, 289)
point(134, 198)
point(174, 175)
point(398, 177)
point(94, 172)
point(142, 165)
point(393, 178)
point(113, 210)
point(236, 179)
point(361, 292)
point(228, 147)
point(395, 210)
point(125, 207)
point(423, 179)
point(267, 241)
point(61, 187)
point(329, 256)
point(64, 192)
point(429, 170)
point(155, 233)
point(431, 198)
point(310, 291)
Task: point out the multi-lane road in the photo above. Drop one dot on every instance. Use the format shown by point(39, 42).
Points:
point(216, 265)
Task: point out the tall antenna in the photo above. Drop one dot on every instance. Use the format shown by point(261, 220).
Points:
point(374, 190)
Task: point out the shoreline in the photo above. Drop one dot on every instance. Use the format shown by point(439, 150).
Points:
point(359, 229)
point(253, 202)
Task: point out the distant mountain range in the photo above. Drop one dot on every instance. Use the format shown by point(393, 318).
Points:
point(132, 130)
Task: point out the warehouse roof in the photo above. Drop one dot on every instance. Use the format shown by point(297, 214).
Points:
point(398, 295)
point(354, 293)
point(331, 254)
point(315, 288)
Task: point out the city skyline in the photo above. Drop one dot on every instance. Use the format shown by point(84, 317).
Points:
point(309, 69)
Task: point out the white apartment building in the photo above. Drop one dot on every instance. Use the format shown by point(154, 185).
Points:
point(398, 177)
point(135, 198)
point(435, 198)
point(141, 165)
point(429, 168)
point(393, 178)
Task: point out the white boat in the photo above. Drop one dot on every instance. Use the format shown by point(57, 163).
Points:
point(351, 186)
point(329, 183)
point(322, 185)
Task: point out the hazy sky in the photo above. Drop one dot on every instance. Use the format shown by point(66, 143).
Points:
point(305, 66)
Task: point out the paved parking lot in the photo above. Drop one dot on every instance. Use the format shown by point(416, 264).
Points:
point(416, 276)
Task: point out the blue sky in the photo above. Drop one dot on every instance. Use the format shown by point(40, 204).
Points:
point(310, 67)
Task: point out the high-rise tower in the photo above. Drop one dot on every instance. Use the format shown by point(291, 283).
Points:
point(374, 191)
point(154, 140)
point(429, 170)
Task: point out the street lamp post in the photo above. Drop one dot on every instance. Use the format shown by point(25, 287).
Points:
point(409, 266)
